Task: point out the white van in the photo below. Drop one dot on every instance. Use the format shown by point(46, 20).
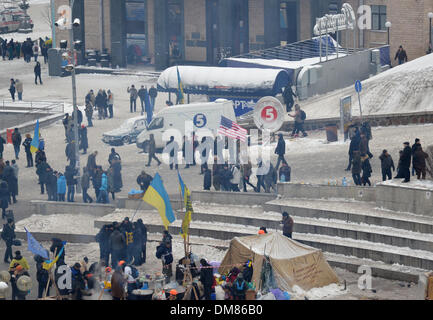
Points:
point(204, 115)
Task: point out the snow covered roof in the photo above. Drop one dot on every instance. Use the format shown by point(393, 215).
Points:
point(220, 81)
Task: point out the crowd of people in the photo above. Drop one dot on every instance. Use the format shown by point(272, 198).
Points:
point(103, 103)
point(360, 155)
point(141, 93)
point(27, 49)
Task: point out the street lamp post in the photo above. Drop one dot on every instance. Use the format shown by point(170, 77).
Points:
point(388, 25)
point(71, 68)
point(430, 16)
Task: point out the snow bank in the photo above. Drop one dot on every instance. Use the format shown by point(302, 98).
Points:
point(59, 223)
point(318, 293)
point(414, 184)
point(402, 89)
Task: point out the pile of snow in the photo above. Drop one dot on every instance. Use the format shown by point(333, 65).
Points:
point(329, 291)
point(59, 223)
point(402, 89)
point(413, 184)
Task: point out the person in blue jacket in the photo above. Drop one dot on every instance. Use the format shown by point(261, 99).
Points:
point(103, 190)
point(61, 187)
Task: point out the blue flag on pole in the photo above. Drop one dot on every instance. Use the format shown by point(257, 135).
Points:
point(148, 107)
point(35, 247)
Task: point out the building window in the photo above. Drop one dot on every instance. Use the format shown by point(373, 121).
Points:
point(136, 24)
point(378, 17)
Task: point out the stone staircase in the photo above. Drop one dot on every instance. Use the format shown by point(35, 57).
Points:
point(353, 226)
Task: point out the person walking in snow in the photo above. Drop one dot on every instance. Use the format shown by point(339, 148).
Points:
point(288, 95)
point(366, 170)
point(37, 71)
point(280, 150)
point(419, 162)
point(401, 55)
point(386, 164)
point(300, 117)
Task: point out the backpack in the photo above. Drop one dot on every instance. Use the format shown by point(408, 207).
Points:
point(303, 115)
point(134, 271)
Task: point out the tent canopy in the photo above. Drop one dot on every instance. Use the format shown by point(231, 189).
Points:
point(292, 263)
point(222, 82)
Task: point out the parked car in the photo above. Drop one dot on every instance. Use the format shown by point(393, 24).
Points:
point(127, 133)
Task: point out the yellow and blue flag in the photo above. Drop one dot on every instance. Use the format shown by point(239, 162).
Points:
point(34, 146)
point(48, 264)
point(158, 198)
point(186, 195)
point(180, 88)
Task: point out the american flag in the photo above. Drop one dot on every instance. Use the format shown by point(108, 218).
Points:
point(232, 129)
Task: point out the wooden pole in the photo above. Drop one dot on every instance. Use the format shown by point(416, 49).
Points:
point(102, 291)
point(49, 278)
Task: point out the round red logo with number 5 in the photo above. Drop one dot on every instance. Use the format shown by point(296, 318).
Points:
point(269, 114)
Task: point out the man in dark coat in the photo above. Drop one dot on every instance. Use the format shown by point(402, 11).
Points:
point(70, 153)
point(152, 151)
point(12, 181)
point(414, 147)
point(225, 177)
point(16, 141)
point(41, 171)
point(91, 164)
point(84, 142)
point(4, 197)
point(419, 162)
point(285, 171)
point(172, 147)
point(2, 148)
point(103, 238)
point(280, 150)
point(142, 95)
point(8, 235)
point(356, 167)
point(354, 146)
point(85, 185)
point(207, 183)
point(144, 180)
point(42, 276)
point(51, 185)
point(143, 239)
point(206, 278)
point(288, 95)
point(113, 156)
point(117, 246)
point(27, 144)
point(405, 161)
point(71, 181)
point(56, 247)
point(386, 164)
point(366, 170)
point(97, 180)
point(37, 71)
point(287, 223)
point(401, 55)
point(153, 93)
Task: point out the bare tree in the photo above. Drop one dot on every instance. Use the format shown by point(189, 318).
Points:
point(46, 16)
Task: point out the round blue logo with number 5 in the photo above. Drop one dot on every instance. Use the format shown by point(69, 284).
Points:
point(200, 120)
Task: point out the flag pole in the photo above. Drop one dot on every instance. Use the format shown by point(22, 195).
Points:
point(49, 278)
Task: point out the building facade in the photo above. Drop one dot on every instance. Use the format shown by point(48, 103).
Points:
point(167, 32)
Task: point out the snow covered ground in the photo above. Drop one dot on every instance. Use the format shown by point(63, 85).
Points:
point(402, 89)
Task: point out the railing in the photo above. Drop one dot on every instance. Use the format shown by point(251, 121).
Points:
point(44, 107)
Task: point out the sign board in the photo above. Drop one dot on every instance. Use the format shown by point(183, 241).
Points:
point(269, 114)
point(241, 106)
point(358, 86)
point(345, 115)
point(331, 23)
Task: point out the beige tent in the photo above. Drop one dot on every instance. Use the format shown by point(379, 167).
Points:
point(292, 262)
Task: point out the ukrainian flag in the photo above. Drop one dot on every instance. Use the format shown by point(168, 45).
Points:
point(157, 197)
point(48, 264)
point(34, 146)
point(186, 195)
point(180, 87)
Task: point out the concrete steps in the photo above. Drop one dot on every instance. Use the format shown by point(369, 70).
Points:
point(332, 227)
point(352, 211)
point(362, 241)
